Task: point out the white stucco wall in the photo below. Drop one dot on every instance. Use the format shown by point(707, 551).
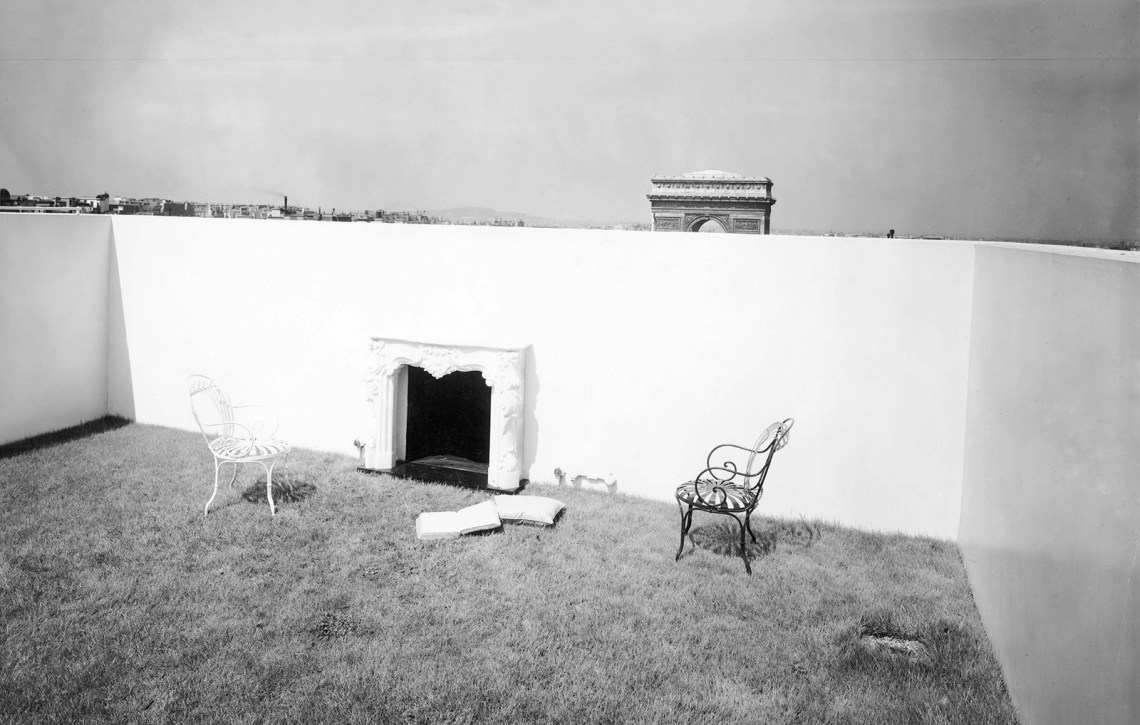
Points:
point(53, 322)
point(647, 349)
point(1051, 500)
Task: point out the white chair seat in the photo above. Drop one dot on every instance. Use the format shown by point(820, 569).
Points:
point(246, 449)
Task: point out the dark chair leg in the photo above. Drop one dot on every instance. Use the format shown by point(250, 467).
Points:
point(748, 525)
point(686, 521)
point(743, 550)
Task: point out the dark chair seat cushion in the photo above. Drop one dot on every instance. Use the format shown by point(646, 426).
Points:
point(717, 496)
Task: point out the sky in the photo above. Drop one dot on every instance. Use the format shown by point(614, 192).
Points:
point(962, 118)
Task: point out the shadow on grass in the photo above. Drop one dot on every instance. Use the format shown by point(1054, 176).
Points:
point(287, 488)
point(66, 435)
point(723, 537)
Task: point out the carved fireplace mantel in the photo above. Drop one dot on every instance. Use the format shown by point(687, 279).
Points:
point(503, 369)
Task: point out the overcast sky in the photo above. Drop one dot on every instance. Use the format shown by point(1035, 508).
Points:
point(978, 118)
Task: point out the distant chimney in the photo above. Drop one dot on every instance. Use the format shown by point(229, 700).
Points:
point(286, 207)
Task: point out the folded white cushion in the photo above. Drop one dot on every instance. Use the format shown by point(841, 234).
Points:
point(453, 524)
point(528, 509)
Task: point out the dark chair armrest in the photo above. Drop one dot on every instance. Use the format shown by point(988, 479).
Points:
point(716, 478)
point(730, 450)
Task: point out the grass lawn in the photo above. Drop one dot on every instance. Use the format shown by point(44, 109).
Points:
point(121, 602)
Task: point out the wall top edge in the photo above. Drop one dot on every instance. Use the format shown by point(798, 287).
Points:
point(1118, 255)
point(458, 345)
point(335, 230)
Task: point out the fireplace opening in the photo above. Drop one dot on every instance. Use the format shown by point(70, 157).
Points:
point(448, 428)
point(470, 417)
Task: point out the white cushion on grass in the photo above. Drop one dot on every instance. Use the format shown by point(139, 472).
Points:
point(453, 524)
point(528, 509)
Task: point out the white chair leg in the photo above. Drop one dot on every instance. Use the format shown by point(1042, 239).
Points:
point(269, 486)
point(234, 477)
point(217, 471)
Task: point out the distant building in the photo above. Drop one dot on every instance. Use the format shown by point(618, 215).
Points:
point(166, 207)
point(712, 201)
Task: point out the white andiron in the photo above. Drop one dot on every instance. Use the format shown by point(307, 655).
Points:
point(386, 382)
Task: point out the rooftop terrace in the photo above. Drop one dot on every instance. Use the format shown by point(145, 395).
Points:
point(982, 393)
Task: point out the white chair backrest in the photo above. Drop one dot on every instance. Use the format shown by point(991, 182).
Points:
point(211, 407)
point(771, 440)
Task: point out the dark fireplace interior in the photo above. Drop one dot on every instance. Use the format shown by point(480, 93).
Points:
point(449, 428)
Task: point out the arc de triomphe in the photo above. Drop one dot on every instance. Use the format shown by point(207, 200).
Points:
point(712, 201)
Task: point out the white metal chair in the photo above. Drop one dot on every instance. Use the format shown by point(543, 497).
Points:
point(232, 442)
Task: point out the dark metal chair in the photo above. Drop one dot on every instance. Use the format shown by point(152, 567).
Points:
point(726, 488)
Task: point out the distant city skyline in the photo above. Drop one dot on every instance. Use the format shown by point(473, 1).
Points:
point(947, 117)
point(149, 205)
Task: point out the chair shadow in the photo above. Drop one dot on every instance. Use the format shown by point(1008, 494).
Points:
point(288, 488)
point(723, 537)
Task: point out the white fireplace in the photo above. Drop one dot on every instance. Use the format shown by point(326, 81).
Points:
point(386, 382)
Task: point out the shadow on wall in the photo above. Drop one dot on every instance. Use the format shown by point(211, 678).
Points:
point(530, 420)
point(120, 388)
